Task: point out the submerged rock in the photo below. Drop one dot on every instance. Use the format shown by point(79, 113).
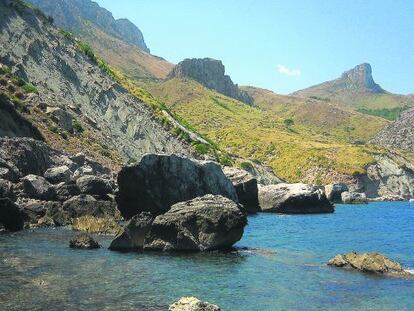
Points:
point(134, 233)
point(202, 224)
point(334, 191)
point(192, 304)
point(83, 240)
point(11, 216)
point(246, 188)
point(159, 181)
point(354, 198)
point(369, 262)
point(294, 199)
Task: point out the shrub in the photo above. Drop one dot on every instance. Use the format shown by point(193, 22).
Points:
point(67, 34)
point(77, 126)
point(30, 88)
point(288, 122)
point(19, 81)
point(201, 148)
point(88, 51)
point(246, 166)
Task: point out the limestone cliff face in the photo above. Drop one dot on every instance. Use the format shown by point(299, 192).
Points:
point(361, 78)
point(398, 134)
point(74, 15)
point(210, 73)
point(66, 78)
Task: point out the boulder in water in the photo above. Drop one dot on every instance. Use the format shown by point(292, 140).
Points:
point(11, 217)
point(334, 191)
point(294, 199)
point(84, 241)
point(370, 263)
point(192, 304)
point(159, 181)
point(354, 198)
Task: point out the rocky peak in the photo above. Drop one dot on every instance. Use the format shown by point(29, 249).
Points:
point(361, 76)
point(74, 15)
point(210, 73)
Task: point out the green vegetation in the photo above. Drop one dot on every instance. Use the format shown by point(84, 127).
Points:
point(201, 148)
point(77, 126)
point(386, 113)
point(87, 50)
point(246, 166)
point(30, 88)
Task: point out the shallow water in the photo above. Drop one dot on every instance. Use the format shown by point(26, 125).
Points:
point(286, 271)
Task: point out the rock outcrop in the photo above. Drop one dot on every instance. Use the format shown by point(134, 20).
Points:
point(11, 217)
point(334, 192)
point(192, 304)
point(84, 241)
point(246, 188)
point(354, 198)
point(201, 224)
point(75, 15)
point(159, 181)
point(210, 73)
point(370, 263)
point(294, 199)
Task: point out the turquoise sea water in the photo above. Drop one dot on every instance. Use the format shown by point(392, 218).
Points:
point(285, 271)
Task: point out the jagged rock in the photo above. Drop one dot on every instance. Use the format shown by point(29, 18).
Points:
point(6, 189)
point(61, 117)
point(192, 304)
point(45, 222)
point(159, 181)
point(202, 224)
point(83, 240)
point(65, 191)
point(210, 73)
point(246, 188)
point(334, 191)
point(94, 185)
point(83, 171)
point(294, 199)
point(79, 159)
point(59, 174)
point(369, 262)
point(354, 198)
point(134, 233)
point(37, 187)
point(11, 216)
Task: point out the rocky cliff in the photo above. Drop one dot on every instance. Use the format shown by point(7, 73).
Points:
point(74, 15)
point(398, 134)
point(68, 79)
point(210, 73)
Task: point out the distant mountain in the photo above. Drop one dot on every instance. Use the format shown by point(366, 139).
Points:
point(72, 15)
point(357, 88)
point(210, 73)
point(119, 41)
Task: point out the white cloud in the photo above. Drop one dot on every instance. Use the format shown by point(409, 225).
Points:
point(288, 72)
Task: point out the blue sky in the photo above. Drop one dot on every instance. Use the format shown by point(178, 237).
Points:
point(282, 45)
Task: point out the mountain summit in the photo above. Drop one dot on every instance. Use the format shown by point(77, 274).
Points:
point(361, 78)
point(210, 73)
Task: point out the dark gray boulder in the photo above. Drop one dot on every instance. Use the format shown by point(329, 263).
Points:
point(83, 241)
point(294, 199)
point(11, 217)
point(246, 188)
point(37, 187)
point(59, 174)
point(202, 224)
point(65, 191)
point(354, 198)
point(94, 185)
point(334, 192)
point(6, 189)
point(134, 233)
point(159, 181)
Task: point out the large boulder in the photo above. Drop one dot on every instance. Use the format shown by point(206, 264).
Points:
point(86, 205)
point(294, 199)
point(246, 188)
point(6, 189)
point(369, 262)
point(354, 198)
point(202, 224)
point(61, 117)
point(11, 217)
point(159, 181)
point(134, 233)
point(59, 174)
point(192, 304)
point(94, 185)
point(65, 191)
point(84, 241)
point(334, 192)
point(37, 187)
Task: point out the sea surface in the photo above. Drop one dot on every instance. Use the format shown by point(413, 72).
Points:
point(283, 268)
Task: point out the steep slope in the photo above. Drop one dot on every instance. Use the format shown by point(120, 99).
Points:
point(210, 73)
point(294, 151)
point(399, 134)
point(67, 78)
point(357, 89)
point(120, 42)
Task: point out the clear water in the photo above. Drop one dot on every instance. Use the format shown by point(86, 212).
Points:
point(287, 272)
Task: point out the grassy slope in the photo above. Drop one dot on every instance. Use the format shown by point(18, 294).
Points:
point(297, 152)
